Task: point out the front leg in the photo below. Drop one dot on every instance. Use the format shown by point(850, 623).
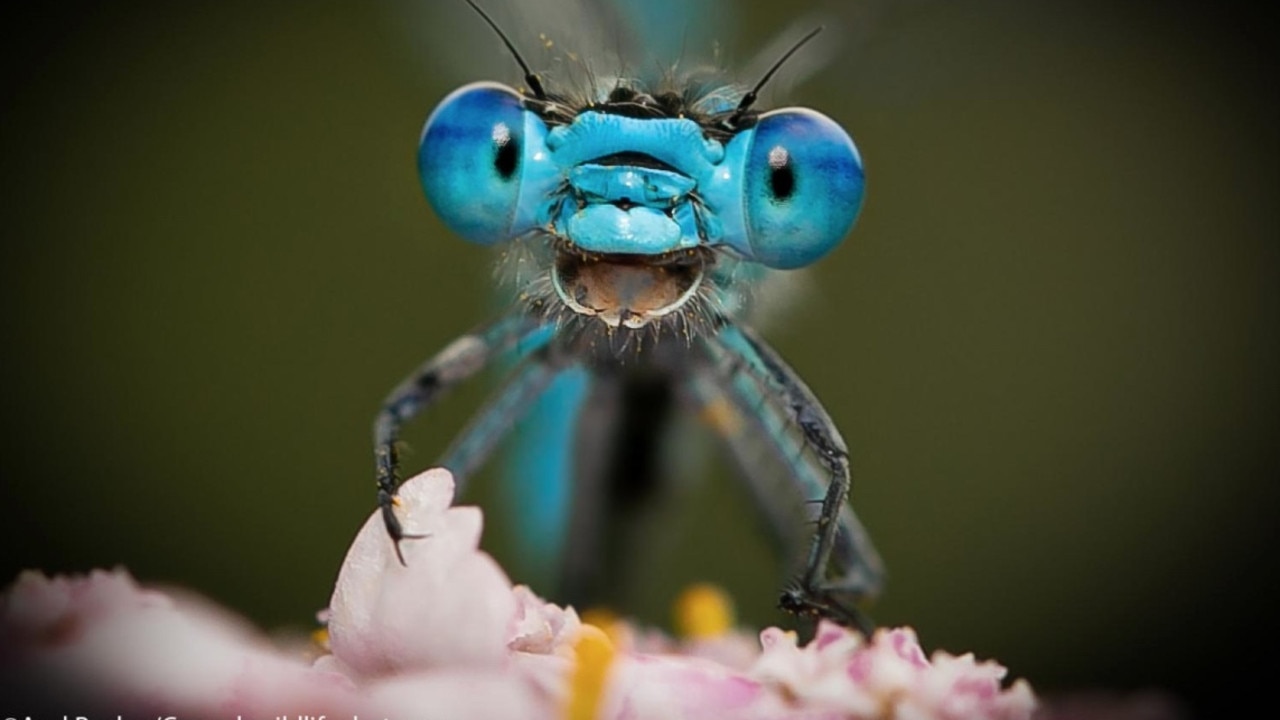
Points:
point(814, 593)
point(459, 361)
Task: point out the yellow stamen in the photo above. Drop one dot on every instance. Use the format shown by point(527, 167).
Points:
point(607, 621)
point(320, 638)
point(593, 655)
point(703, 611)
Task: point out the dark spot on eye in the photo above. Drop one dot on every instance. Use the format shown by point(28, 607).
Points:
point(507, 157)
point(782, 179)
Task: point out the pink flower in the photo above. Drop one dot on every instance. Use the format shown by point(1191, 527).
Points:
point(103, 641)
point(888, 677)
point(447, 605)
point(446, 635)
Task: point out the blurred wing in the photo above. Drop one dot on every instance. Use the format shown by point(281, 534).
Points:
point(611, 36)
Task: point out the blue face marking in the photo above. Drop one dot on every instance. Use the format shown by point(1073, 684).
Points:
point(783, 192)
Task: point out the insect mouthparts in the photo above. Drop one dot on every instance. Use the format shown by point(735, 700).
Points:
point(633, 159)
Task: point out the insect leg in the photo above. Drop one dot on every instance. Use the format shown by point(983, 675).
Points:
point(762, 387)
point(460, 360)
point(490, 424)
point(737, 410)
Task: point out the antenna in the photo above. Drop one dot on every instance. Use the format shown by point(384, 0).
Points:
point(530, 78)
point(750, 98)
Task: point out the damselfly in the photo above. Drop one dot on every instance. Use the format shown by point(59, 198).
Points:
point(638, 209)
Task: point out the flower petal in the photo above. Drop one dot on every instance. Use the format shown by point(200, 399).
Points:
point(102, 641)
point(539, 626)
point(448, 604)
point(888, 677)
point(673, 686)
point(459, 695)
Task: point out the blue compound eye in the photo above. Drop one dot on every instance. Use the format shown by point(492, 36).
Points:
point(471, 160)
point(803, 187)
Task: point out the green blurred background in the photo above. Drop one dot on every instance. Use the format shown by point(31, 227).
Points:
point(1051, 340)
